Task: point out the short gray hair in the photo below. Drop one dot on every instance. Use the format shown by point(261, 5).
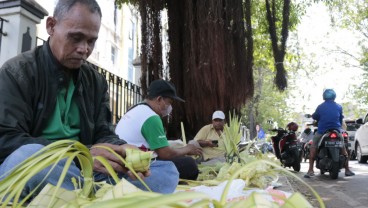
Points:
point(63, 6)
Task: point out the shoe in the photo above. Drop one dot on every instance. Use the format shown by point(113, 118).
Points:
point(308, 175)
point(350, 173)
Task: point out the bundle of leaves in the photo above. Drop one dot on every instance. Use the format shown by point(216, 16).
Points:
point(260, 175)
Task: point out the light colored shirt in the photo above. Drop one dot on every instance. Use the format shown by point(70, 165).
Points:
point(142, 126)
point(307, 137)
point(208, 132)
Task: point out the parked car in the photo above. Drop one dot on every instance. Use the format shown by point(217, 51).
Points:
point(351, 128)
point(361, 140)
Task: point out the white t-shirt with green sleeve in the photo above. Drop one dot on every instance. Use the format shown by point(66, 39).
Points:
point(142, 126)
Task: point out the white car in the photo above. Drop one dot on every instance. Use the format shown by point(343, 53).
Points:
point(361, 140)
point(351, 128)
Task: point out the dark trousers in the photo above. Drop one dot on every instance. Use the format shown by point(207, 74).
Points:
point(187, 167)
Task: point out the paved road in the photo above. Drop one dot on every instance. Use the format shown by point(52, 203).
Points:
point(341, 193)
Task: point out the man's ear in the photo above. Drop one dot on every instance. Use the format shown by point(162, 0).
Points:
point(159, 98)
point(50, 24)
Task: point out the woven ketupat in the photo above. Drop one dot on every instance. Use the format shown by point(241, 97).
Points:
point(138, 160)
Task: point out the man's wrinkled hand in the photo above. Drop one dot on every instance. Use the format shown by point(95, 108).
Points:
point(126, 146)
point(141, 175)
point(113, 160)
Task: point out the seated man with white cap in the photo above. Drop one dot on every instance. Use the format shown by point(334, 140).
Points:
point(209, 137)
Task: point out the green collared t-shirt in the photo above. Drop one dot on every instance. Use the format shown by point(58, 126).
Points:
point(65, 122)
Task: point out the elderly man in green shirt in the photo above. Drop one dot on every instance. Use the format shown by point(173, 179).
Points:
point(209, 137)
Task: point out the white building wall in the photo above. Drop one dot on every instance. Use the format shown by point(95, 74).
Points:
point(130, 43)
point(49, 5)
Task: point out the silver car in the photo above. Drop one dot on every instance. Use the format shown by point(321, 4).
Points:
point(361, 140)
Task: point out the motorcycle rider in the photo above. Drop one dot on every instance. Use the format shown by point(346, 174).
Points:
point(306, 136)
point(329, 116)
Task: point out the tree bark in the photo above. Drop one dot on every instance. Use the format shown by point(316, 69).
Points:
point(209, 62)
point(279, 51)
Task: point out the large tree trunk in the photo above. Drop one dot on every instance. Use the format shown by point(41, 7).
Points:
point(151, 56)
point(210, 57)
point(211, 54)
point(209, 63)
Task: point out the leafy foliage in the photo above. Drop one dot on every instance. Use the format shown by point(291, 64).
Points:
point(268, 103)
point(353, 15)
point(231, 137)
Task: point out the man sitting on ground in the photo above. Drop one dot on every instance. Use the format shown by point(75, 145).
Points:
point(50, 94)
point(209, 137)
point(142, 126)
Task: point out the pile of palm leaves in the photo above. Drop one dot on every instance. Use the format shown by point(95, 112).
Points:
point(258, 170)
point(259, 175)
point(123, 194)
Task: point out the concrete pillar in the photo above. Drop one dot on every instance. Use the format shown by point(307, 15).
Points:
point(19, 28)
point(138, 72)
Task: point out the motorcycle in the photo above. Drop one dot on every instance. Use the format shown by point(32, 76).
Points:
point(286, 147)
point(329, 153)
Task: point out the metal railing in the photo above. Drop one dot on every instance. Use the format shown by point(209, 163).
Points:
point(123, 93)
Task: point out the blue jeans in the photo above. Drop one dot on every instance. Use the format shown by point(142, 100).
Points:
point(163, 179)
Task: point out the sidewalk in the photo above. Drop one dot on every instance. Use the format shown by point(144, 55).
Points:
point(285, 184)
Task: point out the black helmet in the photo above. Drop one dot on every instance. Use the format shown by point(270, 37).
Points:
point(307, 131)
point(329, 94)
